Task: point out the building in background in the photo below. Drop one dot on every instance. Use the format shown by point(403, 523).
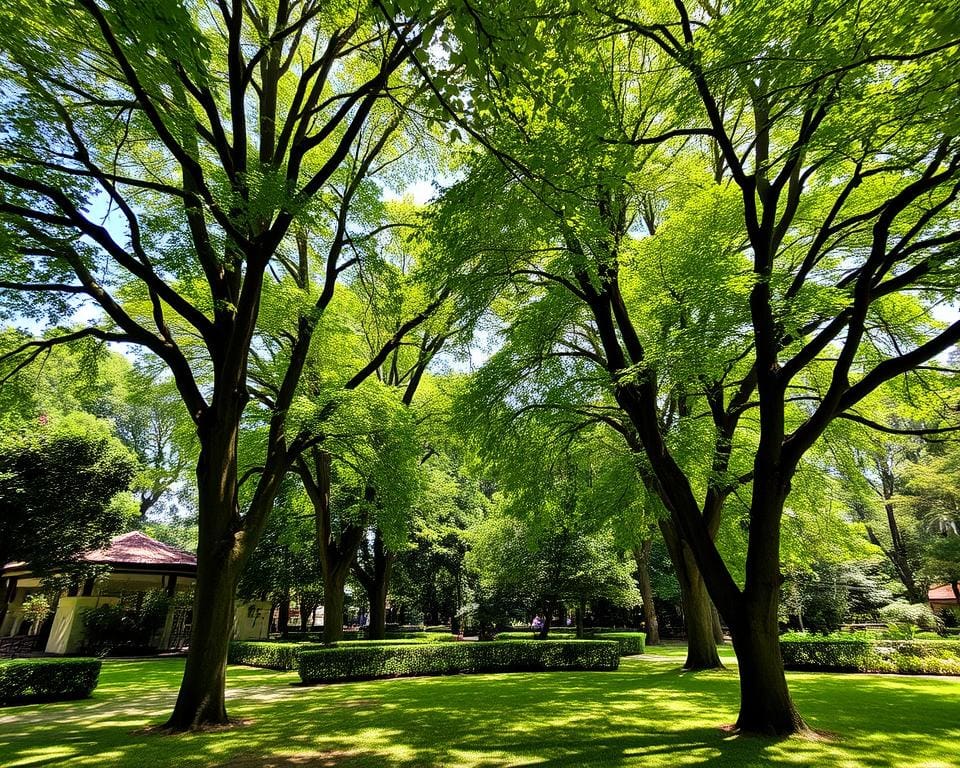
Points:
point(135, 568)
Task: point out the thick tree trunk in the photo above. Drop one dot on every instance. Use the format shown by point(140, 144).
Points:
point(378, 597)
point(201, 698)
point(581, 610)
point(374, 574)
point(333, 599)
point(547, 620)
point(765, 704)
point(695, 600)
point(641, 554)
point(717, 626)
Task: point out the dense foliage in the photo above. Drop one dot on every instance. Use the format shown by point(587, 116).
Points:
point(28, 680)
point(60, 486)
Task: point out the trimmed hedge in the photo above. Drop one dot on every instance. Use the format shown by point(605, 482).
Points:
point(631, 643)
point(285, 656)
point(368, 662)
point(864, 654)
point(28, 680)
point(836, 653)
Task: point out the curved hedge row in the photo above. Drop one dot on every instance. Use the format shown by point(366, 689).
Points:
point(863, 654)
point(27, 680)
point(631, 643)
point(369, 661)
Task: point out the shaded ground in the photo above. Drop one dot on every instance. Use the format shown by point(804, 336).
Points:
point(649, 713)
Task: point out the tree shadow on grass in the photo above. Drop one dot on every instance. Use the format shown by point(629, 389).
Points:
point(643, 714)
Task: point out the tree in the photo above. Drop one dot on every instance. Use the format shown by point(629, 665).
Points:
point(59, 486)
point(165, 164)
point(840, 194)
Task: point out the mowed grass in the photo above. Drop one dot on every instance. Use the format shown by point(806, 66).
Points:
point(649, 713)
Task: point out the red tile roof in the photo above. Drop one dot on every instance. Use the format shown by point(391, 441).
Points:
point(137, 548)
point(941, 594)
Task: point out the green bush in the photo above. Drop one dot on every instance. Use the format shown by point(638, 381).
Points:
point(862, 654)
point(280, 656)
point(631, 643)
point(286, 655)
point(840, 653)
point(905, 615)
point(366, 662)
point(26, 680)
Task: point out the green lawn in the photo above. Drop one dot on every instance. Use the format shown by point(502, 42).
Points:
point(649, 713)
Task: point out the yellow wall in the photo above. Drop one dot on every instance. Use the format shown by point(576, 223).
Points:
point(251, 621)
point(66, 636)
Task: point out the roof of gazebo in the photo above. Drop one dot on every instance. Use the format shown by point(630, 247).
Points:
point(137, 551)
point(941, 594)
point(136, 548)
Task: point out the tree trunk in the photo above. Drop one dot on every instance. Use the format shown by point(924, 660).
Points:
point(333, 599)
point(201, 698)
point(378, 597)
point(374, 575)
point(765, 704)
point(717, 626)
point(547, 620)
point(641, 554)
point(697, 608)
point(283, 615)
point(581, 610)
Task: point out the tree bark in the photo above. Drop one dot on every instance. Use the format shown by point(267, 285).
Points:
point(337, 553)
point(219, 559)
point(765, 703)
point(283, 614)
point(374, 574)
point(547, 620)
point(641, 554)
point(581, 610)
point(695, 601)
point(333, 599)
point(717, 626)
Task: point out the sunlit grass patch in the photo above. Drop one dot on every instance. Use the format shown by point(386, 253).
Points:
point(648, 713)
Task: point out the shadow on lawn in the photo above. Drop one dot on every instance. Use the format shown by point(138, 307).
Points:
point(643, 714)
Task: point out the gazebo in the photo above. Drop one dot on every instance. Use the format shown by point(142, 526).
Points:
point(136, 564)
point(942, 598)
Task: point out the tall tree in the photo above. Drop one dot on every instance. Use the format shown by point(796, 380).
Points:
point(160, 164)
point(841, 194)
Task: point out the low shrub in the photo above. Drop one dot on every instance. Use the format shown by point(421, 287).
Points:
point(853, 653)
point(272, 655)
point(27, 680)
point(355, 662)
point(838, 653)
point(631, 643)
point(905, 615)
point(286, 655)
